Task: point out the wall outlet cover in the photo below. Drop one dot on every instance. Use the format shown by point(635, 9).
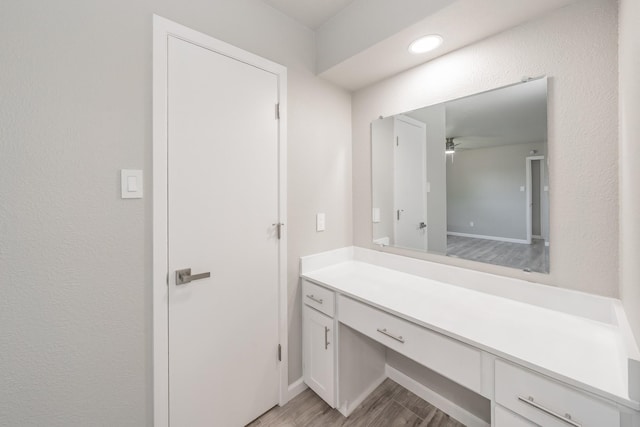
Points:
point(376, 215)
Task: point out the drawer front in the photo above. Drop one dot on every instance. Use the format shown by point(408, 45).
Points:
point(505, 418)
point(547, 402)
point(453, 359)
point(322, 299)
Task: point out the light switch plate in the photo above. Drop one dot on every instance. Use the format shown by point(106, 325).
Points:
point(131, 183)
point(320, 222)
point(375, 215)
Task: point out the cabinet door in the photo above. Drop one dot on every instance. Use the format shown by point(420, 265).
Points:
point(318, 353)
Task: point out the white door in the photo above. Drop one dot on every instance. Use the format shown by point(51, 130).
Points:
point(222, 202)
point(410, 183)
point(318, 352)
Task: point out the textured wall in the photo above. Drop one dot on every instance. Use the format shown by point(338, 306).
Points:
point(75, 259)
point(577, 48)
point(629, 161)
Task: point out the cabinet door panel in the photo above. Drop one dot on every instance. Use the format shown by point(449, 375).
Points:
point(318, 354)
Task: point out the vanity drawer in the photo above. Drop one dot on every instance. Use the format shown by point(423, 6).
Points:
point(505, 418)
point(547, 402)
point(453, 359)
point(322, 299)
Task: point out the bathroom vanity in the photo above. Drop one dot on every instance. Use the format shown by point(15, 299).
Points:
point(539, 355)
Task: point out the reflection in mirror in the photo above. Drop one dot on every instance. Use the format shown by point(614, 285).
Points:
point(466, 178)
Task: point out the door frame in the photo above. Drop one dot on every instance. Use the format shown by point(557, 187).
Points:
point(529, 198)
point(162, 29)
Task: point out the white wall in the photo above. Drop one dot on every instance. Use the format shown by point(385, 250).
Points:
point(75, 259)
point(630, 160)
point(435, 118)
point(483, 187)
point(577, 48)
point(383, 177)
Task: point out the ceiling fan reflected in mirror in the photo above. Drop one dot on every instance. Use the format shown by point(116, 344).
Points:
point(450, 147)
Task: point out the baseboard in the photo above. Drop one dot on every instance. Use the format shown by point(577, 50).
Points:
point(347, 409)
point(480, 236)
point(295, 388)
point(455, 411)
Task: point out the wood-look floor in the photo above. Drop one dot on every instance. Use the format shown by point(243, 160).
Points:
point(534, 257)
point(390, 405)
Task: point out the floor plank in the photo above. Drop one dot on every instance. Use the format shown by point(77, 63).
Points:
point(534, 257)
point(389, 405)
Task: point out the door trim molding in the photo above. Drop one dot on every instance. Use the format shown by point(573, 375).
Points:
point(529, 192)
point(162, 29)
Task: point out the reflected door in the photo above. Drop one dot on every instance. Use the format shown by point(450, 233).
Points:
point(410, 178)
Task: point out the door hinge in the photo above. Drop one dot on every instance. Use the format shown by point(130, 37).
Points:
point(279, 353)
point(277, 111)
point(397, 141)
point(278, 226)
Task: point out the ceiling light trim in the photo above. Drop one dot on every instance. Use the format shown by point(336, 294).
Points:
point(426, 44)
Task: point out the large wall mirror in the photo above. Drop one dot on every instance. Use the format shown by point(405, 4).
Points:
point(467, 178)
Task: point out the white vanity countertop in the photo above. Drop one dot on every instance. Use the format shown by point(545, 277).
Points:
point(585, 353)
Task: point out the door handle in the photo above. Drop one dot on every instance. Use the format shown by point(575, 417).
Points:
point(422, 225)
point(390, 335)
point(184, 276)
point(566, 418)
point(313, 298)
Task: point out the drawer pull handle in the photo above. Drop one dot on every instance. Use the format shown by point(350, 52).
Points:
point(313, 298)
point(397, 338)
point(326, 338)
point(566, 418)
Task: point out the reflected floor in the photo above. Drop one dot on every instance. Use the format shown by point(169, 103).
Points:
point(534, 257)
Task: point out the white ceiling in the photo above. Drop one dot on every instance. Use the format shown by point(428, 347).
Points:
point(311, 13)
point(360, 42)
point(511, 115)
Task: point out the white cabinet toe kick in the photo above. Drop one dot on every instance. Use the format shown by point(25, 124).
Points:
point(493, 346)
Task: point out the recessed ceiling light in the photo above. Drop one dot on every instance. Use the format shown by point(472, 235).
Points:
point(425, 44)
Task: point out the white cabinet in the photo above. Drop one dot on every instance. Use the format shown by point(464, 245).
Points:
point(506, 418)
point(547, 402)
point(455, 360)
point(490, 344)
point(318, 353)
point(322, 299)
